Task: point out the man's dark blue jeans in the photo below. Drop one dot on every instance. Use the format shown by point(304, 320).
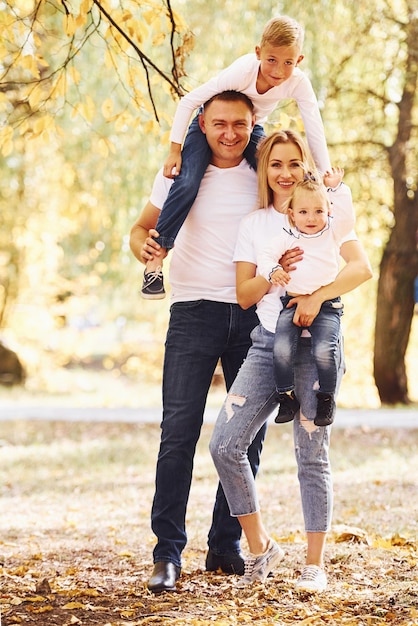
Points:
point(199, 334)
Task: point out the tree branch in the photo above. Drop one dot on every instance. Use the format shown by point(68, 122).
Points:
point(146, 61)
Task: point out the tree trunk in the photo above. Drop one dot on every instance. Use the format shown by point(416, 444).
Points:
point(11, 369)
point(395, 308)
point(399, 265)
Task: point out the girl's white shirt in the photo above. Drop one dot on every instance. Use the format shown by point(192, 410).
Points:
point(321, 263)
point(254, 235)
point(241, 76)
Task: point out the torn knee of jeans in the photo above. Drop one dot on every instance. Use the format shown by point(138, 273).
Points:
point(231, 402)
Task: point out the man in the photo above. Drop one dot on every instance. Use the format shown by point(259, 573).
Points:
point(206, 324)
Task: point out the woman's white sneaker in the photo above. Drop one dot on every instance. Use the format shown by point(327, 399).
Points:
point(257, 568)
point(313, 579)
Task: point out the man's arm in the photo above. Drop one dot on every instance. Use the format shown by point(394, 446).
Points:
point(141, 242)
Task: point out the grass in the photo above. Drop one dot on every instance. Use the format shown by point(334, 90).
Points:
point(75, 503)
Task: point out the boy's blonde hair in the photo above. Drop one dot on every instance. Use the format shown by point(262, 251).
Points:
point(264, 148)
point(282, 31)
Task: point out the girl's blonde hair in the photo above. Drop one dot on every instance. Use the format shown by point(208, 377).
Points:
point(265, 193)
point(312, 185)
point(282, 31)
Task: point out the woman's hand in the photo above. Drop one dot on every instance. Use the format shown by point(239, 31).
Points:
point(307, 308)
point(294, 255)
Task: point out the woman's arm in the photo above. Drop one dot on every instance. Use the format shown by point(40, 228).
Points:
point(250, 288)
point(356, 271)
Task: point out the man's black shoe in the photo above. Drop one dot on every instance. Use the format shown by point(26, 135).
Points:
point(164, 577)
point(231, 563)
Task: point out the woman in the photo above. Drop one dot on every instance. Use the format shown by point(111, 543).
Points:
point(283, 158)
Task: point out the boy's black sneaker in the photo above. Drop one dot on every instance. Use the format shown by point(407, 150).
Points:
point(289, 406)
point(325, 409)
point(153, 285)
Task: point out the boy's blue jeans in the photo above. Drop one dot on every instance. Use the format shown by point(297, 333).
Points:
point(250, 401)
point(325, 331)
point(199, 334)
point(196, 156)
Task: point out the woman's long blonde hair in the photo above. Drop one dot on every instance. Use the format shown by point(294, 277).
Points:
point(265, 193)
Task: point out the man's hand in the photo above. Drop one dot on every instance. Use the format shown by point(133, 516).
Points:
point(307, 308)
point(289, 258)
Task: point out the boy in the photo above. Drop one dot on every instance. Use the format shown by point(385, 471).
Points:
point(267, 76)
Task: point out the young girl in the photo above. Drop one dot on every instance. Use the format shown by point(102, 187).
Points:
point(266, 77)
point(308, 222)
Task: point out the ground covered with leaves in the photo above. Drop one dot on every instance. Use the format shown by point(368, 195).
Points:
point(76, 546)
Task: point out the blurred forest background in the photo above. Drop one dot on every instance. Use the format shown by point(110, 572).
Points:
point(88, 90)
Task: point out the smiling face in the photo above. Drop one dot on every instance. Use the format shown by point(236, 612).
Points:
point(284, 170)
point(276, 65)
point(309, 211)
point(227, 126)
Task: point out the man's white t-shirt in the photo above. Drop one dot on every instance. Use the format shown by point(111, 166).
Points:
point(201, 265)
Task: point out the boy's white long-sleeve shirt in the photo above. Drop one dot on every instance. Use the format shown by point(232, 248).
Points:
point(241, 76)
point(320, 263)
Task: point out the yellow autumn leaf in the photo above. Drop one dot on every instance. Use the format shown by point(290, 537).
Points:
point(29, 63)
point(88, 108)
point(284, 120)
point(36, 96)
point(69, 25)
point(85, 6)
point(107, 108)
point(150, 16)
point(39, 126)
point(75, 75)
point(151, 126)
point(126, 16)
point(74, 605)
point(381, 542)
point(80, 20)
point(127, 613)
point(102, 148)
point(141, 31)
point(41, 61)
point(180, 22)
point(158, 39)
point(40, 609)
point(24, 127)
point(299, 125)
point(165, 137)
point(75, 110)
point(60, 87)
point(126, 553)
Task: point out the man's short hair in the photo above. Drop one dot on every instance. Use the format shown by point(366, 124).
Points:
point(231, 96)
